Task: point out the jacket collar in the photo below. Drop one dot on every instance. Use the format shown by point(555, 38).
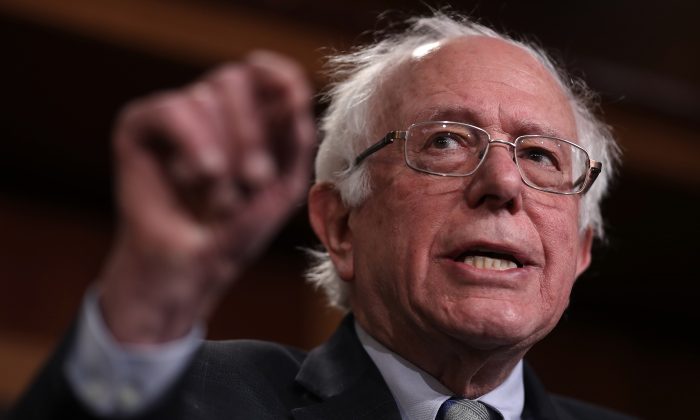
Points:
point(538, 402)
point(347, 384)
point(342, 376)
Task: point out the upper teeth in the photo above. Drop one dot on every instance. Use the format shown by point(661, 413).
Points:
point(489, 263)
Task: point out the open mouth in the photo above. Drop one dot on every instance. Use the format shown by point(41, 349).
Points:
point(489, 260)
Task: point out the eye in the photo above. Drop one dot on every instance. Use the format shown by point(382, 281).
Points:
point(445, 141)
point(540, 156)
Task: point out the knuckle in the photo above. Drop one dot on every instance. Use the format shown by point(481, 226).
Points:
point(227, 75)
point(201, 92)
point(160, 104)
point(277, 62)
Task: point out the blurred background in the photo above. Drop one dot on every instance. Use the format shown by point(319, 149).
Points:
point(629, 339)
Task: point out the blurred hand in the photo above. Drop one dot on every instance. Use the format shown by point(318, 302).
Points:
point(205, 176)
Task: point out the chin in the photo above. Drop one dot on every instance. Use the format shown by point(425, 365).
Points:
point(496, 326)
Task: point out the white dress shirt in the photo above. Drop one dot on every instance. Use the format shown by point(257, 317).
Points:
point(419, 395)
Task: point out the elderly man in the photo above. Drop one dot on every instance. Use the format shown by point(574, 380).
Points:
point(456, 202)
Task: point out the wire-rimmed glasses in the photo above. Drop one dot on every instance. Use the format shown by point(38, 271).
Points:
point(453, 149)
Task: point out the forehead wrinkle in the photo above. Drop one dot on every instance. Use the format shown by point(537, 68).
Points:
point(508, 117)
point(529, 80)
point(532, 127)
point(453, 112)
point(478, 117)
point(519, 126)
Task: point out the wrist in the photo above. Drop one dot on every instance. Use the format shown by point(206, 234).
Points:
point(156, 298)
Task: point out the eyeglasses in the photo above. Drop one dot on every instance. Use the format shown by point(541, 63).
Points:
point(453, 149)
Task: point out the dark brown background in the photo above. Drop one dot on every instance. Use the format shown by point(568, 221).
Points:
point(629, 337)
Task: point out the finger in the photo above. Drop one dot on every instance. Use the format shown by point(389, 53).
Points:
point(282, 100)
point(245, 130)
point(178, 137)
point(282, 78)
point(170, 127)
point(224, 197)
point(285, 98)
point(254, 226)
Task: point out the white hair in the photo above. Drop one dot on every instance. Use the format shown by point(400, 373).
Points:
point(347, 123)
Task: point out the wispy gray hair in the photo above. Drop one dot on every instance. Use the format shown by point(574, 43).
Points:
point(347, 126)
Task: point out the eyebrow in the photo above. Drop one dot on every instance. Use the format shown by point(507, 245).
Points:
point(531, 127)
point(471, 116)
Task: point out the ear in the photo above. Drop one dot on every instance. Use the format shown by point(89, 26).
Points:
point(329, 219)
point(584, 251)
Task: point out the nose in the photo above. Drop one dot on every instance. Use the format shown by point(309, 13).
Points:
point(497, 183)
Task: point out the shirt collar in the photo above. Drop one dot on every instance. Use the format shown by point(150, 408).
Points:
point(419, 395)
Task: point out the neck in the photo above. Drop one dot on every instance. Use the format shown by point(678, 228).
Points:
point(463, 369)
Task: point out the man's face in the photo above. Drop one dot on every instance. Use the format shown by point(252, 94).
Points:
point(411, 280)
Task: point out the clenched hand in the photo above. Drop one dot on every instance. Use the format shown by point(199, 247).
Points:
point(205, 175)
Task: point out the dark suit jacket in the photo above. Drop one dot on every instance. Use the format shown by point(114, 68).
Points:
point(259, 380)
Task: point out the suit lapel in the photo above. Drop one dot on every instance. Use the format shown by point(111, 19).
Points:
point(344, 379)
point(538, 402)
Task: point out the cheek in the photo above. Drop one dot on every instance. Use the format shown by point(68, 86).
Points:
point(556, 222)
point(403, 219)
point(414, 205)
point(424, 207)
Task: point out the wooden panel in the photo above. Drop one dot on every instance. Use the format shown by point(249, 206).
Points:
point(657, 147)
point(186, 31)
point(21, 355)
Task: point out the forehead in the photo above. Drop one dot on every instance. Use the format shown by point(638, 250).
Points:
point(484, 81)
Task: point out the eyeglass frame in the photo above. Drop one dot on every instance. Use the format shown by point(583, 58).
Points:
point(594, 166)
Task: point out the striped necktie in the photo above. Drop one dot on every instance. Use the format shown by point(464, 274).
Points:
point(464, 409)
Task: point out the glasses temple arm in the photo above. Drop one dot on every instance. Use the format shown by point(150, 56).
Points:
point(591, 175)
point(385, 141)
